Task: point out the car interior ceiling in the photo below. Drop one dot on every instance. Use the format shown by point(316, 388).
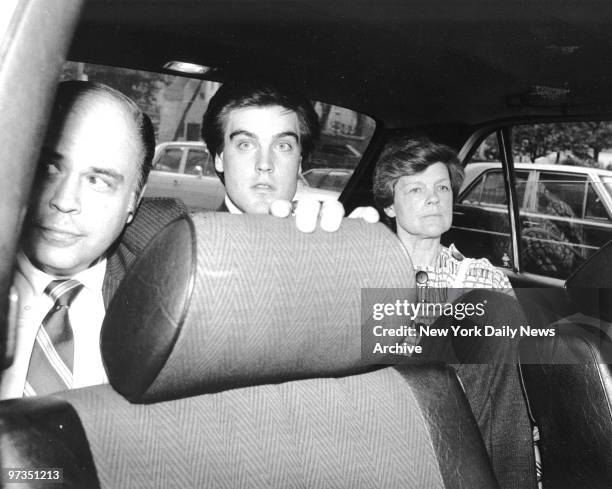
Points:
point(486, 86)
point(459, 76)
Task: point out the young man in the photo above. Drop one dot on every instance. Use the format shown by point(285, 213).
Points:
point(259, 136)
point(93, 167)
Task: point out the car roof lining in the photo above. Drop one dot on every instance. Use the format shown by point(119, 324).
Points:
point(420, 63)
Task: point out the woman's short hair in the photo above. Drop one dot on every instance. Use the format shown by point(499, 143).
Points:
point(404, 156)
point(239, 95)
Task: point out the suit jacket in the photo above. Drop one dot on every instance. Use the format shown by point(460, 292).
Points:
point(152, 216)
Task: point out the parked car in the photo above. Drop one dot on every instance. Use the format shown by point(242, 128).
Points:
point(565, 215)
point(185, 170)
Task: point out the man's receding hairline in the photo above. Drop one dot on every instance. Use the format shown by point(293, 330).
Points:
point(82, 102)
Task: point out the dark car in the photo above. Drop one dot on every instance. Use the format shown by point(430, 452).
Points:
point(565, 215)
point(235, 353)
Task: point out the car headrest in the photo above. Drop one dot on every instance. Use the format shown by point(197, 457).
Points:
point(590, 286)
point(224, 301)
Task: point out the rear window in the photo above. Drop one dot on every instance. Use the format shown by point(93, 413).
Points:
point(176, 105)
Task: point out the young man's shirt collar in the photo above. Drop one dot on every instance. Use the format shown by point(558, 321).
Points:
point(231, 207)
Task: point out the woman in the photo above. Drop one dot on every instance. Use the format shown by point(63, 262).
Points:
point(414, 185)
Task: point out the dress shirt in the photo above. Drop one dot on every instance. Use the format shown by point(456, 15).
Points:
point(86, 315)
point(231, 207)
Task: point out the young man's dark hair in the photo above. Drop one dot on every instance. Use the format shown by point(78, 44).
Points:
point(239, 95)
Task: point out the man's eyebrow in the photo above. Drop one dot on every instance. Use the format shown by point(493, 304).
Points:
point(109, 173)
point(287, 133)
point(241, 132)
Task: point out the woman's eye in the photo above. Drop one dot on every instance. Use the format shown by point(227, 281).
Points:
point(414, 190)
point(445, 188)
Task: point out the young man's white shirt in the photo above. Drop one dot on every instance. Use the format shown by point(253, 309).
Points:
point(86, 315)
point(231, 207)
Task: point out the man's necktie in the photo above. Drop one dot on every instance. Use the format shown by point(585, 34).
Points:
point(52, 357)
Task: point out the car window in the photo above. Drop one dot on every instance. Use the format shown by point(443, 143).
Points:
point(493, 192)
point(569, 218)
point(327, 179)
point(481, 223)
point(595, 208)
point(170, 160)
point(198, 158)
point(335, 180)
point(176, 105)
point(314, 177)
point(561, 194)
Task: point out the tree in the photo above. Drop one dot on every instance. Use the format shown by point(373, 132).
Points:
point(579, 142)
point(141, 86)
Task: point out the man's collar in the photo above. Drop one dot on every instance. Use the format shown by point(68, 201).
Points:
point(92, 278)
point(231, 207)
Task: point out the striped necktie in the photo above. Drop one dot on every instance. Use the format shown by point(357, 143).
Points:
point(52, 358)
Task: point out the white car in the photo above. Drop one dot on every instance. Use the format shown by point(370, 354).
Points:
point(185, 170)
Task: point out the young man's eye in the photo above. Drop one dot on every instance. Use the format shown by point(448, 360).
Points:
point(245, 145)
point(285, 146)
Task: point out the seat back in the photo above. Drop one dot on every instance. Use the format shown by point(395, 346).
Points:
point(234, 348)
point(405, 427)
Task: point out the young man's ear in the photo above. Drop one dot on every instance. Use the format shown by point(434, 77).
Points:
point(390, 211)
point(219, 162)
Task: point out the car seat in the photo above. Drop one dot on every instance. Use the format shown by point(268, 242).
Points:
point(568, 383)
point(234, 355)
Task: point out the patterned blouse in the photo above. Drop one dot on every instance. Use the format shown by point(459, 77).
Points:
point(480, 272)
point(438, 283)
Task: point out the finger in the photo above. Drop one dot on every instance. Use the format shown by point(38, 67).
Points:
point(281, 208)
point(368, 214)
point(307, 214)
point(332, 213)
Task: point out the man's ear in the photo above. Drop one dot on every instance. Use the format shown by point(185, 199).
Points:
point(390, 211)
point(135, 204)
point(219, 162)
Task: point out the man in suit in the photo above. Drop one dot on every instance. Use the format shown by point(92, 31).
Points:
point(81, 234)
point(259, 135)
